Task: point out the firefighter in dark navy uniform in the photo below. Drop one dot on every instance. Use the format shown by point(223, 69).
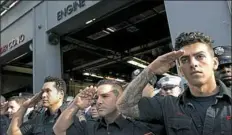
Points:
point(4, 119)
point(52, 94)
point(225, 64)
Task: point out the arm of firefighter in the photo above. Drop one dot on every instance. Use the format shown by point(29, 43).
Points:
point(65, 120)
point(16, 122)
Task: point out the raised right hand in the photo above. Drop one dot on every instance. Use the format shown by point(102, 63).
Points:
point(33, 101)
point(164, 62)
point(84, 98)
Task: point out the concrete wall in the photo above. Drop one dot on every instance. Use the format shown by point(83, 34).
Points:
point(211, 17)
point(23, 25)
point(19, 10)
point(46, 57)
point(15, 22)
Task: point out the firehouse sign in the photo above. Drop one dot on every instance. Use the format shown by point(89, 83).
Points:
point(70, 9)
point(11, 45)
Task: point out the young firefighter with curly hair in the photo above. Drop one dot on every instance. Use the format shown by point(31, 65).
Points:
point(205, 106)
point(52, 94)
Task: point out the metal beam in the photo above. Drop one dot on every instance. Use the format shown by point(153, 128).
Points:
point(18, 69)
point(86, 45)
point(89, 64)
point(132, 52)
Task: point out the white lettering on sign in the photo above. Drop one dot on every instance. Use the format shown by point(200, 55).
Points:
point(12, 44)
point(70, 9)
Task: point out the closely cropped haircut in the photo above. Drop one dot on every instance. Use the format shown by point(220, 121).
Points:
point(18, 99)
point(185, 39)
point(117, 86)
point(60, 84)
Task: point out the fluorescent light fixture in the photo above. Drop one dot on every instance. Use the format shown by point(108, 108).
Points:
point(116, 79)
point(106, 32)
point(3, 12)
point(86, 74)
point(110, 78)
point(93, 75)
point(140, 60)
point(11, 5)
point(98, 76)
point(99, 34)
point(111, 29)
point(135, 63)
point(90, 21)
point(120, 80)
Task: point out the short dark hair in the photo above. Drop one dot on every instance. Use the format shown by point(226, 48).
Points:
point(18, 99)
point(60, 84)
point(117, 86)
point(185, 39)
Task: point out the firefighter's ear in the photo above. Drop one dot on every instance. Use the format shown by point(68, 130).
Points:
point(215, 63)
point(61, 94)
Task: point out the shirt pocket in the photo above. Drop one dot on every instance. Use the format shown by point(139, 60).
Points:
point(39, 130)
point(179, 126)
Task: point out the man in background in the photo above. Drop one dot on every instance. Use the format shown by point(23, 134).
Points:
point(4, 120)
point(223, 53)
point(169, 85)
point(52, 94)
point(14, 103)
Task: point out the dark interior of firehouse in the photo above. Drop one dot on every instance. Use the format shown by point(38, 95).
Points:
point(111, 47)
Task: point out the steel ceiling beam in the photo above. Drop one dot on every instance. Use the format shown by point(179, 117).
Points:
point(17, 69)
point(132, 52)
point(86, 45)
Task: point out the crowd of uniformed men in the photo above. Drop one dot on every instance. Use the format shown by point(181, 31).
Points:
point(145, 106)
